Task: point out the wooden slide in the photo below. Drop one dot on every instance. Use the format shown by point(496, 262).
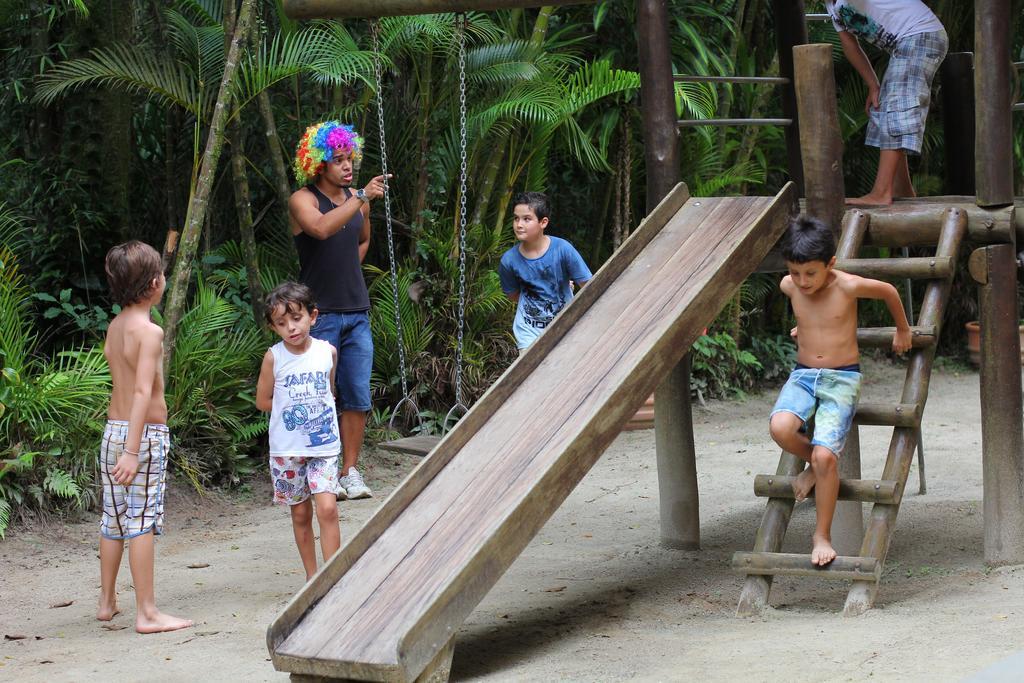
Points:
point(388, 604)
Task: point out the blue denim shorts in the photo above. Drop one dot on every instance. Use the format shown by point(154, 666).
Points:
point(829, 395)
point(349, 333)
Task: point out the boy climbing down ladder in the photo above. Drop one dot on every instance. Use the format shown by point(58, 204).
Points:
point(825, 383)
point(864, 570)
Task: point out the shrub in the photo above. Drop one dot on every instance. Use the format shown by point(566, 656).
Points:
point(51, 411)
point(211, 385)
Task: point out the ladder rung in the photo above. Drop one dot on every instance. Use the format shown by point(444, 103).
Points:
point(922, 268)
point(921, 336)
point(795, 564)
point(889, 414)
point(683, 123)
point(688, 78)
point(865, 490)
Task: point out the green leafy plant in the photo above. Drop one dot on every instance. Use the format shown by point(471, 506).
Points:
point(51, 410)
point(720, 368)
point(211, 389)
point(92, 320)
point(776, 354)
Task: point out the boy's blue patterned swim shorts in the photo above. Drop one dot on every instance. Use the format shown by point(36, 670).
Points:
point(906, 93)
point(829, 395)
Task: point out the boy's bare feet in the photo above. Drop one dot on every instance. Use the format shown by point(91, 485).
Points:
point(803, 484)
point(159, 623)
point(869, 200)
point(107, 610)
point(823, 552)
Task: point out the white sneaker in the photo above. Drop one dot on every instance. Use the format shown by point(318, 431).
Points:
point(354, 485)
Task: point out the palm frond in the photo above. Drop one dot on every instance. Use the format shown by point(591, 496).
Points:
point(500, 64)
point(17, 338)
point(14, 232)
point(596, 81)
point(205, 12)
point(126, 68)
point(201, 48)
point(334, 57)
point(696, 100)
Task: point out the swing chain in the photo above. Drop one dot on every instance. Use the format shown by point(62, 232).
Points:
point(460, 35)
point(375, 33)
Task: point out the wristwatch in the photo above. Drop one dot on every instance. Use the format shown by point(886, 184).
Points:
point(361, 195)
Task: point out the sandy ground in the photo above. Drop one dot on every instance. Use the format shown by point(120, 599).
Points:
point(593, 598)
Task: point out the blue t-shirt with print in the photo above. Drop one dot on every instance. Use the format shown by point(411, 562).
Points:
point(543, 285)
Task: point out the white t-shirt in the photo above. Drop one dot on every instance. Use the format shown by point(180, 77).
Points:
point(883, 22)
point(303, 421)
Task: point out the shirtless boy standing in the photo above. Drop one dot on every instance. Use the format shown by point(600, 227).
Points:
point(133, 452)
point(826, 380)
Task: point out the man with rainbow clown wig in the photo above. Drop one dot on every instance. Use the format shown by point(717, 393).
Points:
point(331, 226)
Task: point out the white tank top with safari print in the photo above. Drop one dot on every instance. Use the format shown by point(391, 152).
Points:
point(303, 421)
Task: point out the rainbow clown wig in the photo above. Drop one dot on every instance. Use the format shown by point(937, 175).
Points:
point(319, 144)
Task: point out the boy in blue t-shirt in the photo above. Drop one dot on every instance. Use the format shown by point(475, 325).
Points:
point(539, 272)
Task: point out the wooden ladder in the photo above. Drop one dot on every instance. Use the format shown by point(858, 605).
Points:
point(886, 493)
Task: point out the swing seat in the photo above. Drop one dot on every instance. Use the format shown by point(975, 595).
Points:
point(420, 445)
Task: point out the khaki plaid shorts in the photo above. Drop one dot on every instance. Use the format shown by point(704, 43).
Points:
point(137, 508)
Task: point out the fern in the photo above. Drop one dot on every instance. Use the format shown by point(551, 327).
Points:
point(60, 483)
point(5, 517)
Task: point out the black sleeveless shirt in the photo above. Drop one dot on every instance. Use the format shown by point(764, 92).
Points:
point(331, 267)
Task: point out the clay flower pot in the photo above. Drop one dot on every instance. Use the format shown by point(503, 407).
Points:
point(974, 342)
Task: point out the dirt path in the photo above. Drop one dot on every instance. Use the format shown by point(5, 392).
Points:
point(594, 597)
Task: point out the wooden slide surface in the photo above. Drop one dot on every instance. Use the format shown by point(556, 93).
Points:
point(394, 596)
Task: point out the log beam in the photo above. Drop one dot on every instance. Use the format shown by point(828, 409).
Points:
point(323, 9)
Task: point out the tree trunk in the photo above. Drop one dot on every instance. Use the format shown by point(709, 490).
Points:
point(113, 24)
point(43, 117)
point(486, 187)
point(597, 233)
point(172, 126)
point(180, 279)
point(499, 222)
point(627, 178)
point(244, 209)
point(282, 186)
point(423, 172)
point(617, 211)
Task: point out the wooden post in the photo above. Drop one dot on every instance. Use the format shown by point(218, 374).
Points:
point(993, 118)
point(821, 146)
point(673, 424)
point(957, 74)
point(790, 30)
point(848, 521)
point(1002, 437)
point(677, 468)
point(657, 93)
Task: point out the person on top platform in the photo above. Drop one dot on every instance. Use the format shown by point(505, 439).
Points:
point(898, 108)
